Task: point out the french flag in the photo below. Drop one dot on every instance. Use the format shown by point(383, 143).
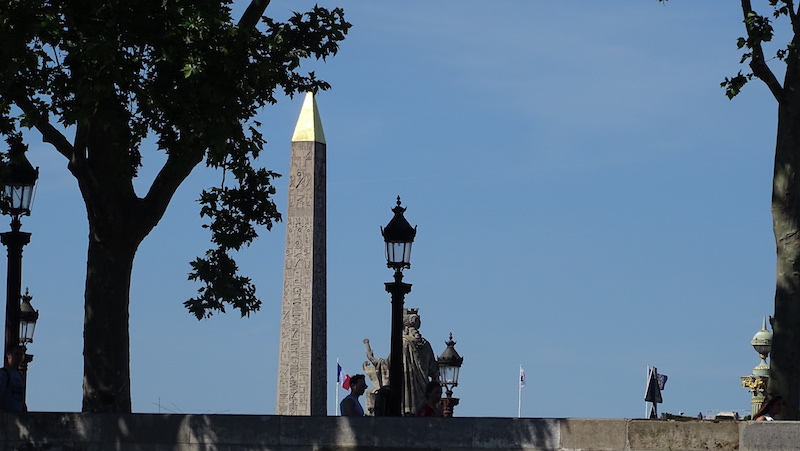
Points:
point(343, 378)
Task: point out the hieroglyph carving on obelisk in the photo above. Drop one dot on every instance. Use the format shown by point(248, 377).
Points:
point(302, 363)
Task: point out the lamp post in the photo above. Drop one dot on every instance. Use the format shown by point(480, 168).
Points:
point(19, 181)
point(449, 366)
point(757, 381)
point(398, 236)
point(27, 319)
point(27, 326)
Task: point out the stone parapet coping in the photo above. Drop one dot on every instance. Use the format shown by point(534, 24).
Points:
point(183, 432)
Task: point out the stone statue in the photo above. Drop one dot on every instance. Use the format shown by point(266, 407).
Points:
point(419, 365)
point(419, 362)
point(378, 372)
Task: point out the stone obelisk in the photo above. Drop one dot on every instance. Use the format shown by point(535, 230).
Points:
point(302, 362)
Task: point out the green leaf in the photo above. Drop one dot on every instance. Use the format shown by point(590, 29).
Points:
point(734, 85)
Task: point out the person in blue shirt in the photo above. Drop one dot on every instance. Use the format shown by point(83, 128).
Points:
point(12, 385)
point(350, 407)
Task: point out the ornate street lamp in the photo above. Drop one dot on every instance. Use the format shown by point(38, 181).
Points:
point(27, 326)
point(19, 183)
point(758, 380)
point(449, 366)
point(398, 236)
point(27, 319)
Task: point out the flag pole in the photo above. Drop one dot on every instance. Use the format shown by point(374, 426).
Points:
point(336, 408)
point(647, 376)
point(521, 386)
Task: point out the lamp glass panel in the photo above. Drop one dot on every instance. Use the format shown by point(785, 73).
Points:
point(19, 197)
point(26, 199)
point(12, 195)
point(389, 252)
point(398, 252)
point(26, 330)
point(407, 253)
point(449, 375)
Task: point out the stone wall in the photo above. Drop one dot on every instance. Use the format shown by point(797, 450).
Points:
point(90, 432)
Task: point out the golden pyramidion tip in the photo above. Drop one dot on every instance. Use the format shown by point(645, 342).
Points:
point(309, 126)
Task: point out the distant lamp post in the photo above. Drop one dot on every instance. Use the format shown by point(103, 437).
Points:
point(27, 326)
point(757, 381)
point(27, 319)
point(19, 182)
point(449, 367)
point(398, 236)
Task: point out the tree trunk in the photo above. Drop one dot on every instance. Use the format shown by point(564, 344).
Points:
point(785, 361)
point(115, 231)
point(106, 349)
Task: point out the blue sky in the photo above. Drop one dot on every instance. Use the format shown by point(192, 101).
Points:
point(588, 202)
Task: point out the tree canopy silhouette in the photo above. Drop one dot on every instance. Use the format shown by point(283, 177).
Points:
point(103, 82)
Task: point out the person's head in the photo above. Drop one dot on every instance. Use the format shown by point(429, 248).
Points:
point(433, 391)
point(14, 355)
point(358, 384)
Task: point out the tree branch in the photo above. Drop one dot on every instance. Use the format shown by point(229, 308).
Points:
point(253, 13)
point(792, 16)
point(49, 133)
point(169, 178)
point(757, 63)
point(762, 71)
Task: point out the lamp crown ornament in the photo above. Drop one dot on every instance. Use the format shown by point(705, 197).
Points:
point(450, 354)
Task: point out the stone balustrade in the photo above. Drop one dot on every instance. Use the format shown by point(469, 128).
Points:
point(161, 432)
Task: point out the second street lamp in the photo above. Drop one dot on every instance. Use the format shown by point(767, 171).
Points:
point(27, 326)
point(27, 319)
point(398, 236)
point(449, 367)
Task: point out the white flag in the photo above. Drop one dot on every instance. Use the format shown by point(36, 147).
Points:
point(521, 377)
